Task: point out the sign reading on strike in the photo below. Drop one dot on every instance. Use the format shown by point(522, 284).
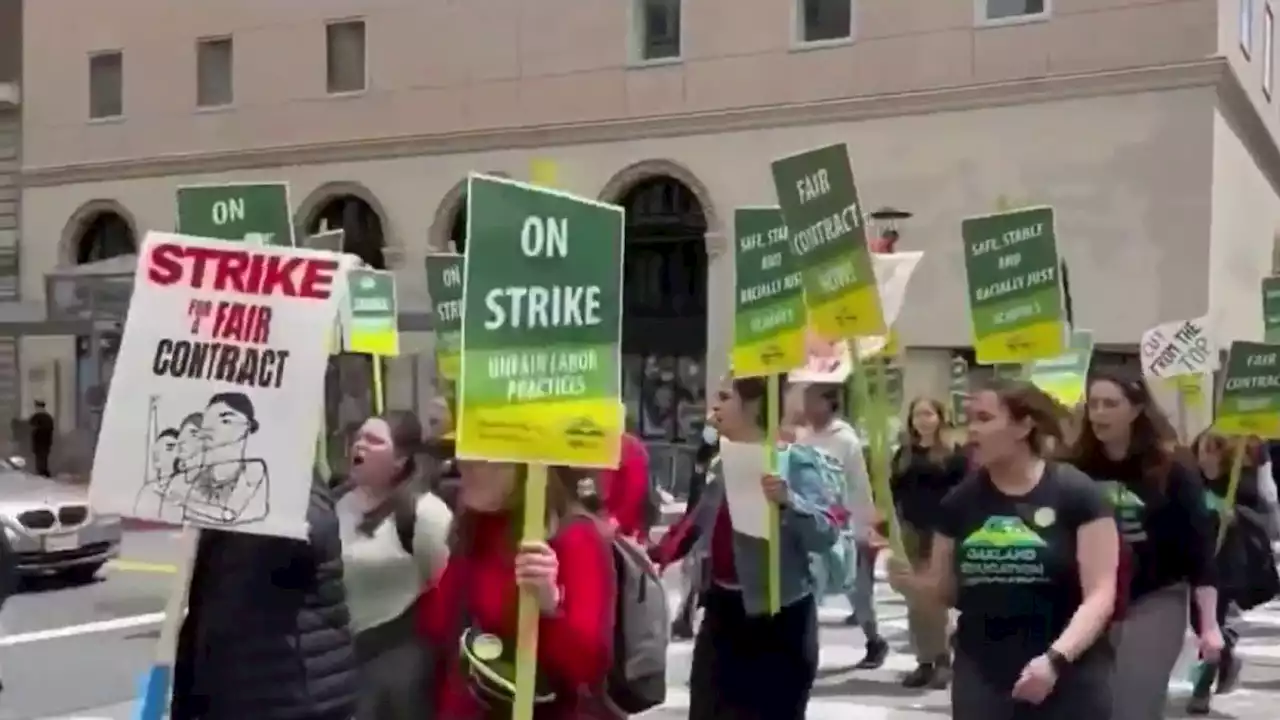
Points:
point(209, 420)
point(444, 282)
point(256, 213)
point(541, 327)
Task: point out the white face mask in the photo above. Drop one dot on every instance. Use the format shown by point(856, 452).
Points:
point(710, 435)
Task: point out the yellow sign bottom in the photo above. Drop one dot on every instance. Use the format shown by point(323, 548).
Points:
point(1034, 342)
point(583, 433)
point(781, 353)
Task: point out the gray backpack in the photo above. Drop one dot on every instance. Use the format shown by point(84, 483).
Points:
point(637, 680)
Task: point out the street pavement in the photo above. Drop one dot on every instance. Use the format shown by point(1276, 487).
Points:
point(76, 653)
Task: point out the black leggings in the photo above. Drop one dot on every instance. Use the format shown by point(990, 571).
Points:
point(753, 668)
point(1083, 693)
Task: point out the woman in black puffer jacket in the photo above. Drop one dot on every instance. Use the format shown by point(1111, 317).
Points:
point(267, 633)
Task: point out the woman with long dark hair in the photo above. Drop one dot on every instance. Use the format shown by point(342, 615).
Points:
point(473, 606)
point(1026, 549)
point(393, 547)
point(748, 663)
point(925, 469)
point(1128, 447)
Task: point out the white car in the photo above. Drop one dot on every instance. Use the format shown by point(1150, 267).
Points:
point(50, 526)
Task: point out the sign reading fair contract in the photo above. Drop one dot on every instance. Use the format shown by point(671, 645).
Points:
point(369, 315)
point(541, 327)
point(1250, 399)
point(209, 420)
point(1271, 309)
point(769, 315)
point(444, 283)
point(1064, 377)
point(1015, 289)
point(256, 213)
point(819, 202)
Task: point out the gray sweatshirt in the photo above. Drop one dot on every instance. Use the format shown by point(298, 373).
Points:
point(840, 440)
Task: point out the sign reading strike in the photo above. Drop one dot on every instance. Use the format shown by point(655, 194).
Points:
point(370, 319)
point(1250, 400)
point(769, 316)
point(256, 213)
point(224, 349)
point(444, 282)
point(1177, 348)
point(1271, 309)
point(541, 327)
point(1015, 290)
point(819, 202)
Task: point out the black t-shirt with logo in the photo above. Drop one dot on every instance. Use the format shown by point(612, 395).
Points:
point(1169, 528)
point(1017, 579)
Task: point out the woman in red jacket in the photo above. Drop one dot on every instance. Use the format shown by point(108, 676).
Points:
point(626, 490)
point(470, 615)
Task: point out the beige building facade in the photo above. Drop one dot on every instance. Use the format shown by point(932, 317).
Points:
point(1148, 125)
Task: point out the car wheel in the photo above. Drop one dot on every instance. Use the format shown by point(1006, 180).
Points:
point(82, 574)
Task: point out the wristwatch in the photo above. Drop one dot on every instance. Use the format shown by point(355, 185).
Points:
point(1059, 661)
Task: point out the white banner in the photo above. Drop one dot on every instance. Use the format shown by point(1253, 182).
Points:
point(211, 418)
point(1184, 347)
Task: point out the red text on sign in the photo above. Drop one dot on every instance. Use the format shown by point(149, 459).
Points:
point(242, 271)
point(242, 322)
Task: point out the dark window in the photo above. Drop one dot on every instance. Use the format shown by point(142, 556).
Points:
point(105, 236)
point(361, 226)
point(214, 77)
point(826, 20)
point(345, 57)
point(106, 85)
point(659, 29)
point(1001, 9)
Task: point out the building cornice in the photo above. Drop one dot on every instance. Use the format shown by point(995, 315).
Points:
point(1206, 72)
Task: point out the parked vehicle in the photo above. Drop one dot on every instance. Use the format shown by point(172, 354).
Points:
point(50, 526)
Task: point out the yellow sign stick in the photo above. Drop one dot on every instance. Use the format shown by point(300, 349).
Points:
point(1233, 485)
point(775, 529)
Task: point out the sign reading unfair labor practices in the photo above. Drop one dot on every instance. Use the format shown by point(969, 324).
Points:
point(1015, 292)
point(769, 317)
point(541, 327)
point(257, 213)
point(210, 418)
point(369, 315)
point(819, 203)
point(1063, 378)
point(444, 282)
point(1271, 309)
point(1250, 399)
point(1178, 348)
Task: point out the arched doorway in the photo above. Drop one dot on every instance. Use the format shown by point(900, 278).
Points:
point(458, 228)
point(102, 236)
point(349, 378)
point(664, 325)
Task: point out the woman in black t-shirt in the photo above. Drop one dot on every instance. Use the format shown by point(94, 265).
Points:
point(1026, 550)
point(925, 469)
point(1128, 447)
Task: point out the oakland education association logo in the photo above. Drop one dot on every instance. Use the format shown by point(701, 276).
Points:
point(1004, 550)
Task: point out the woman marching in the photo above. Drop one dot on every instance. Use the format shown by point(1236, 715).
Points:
point(1026, 549)
point(393, 545)
point(925, 469)
point(1127, 446)
point(473, 607)
point(747, 663)
point(1246, 571)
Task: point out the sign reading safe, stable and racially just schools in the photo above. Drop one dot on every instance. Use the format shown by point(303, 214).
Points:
point(1249, 403)
point(769, 316)
point(258, 213)
point(1271, 309)
point(819, 202)
point(370, 316)
point(1015, 291)
point(444, 283)
point(541, 327)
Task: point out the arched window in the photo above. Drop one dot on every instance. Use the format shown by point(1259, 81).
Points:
point(362, 227)
point(664, 322)
point(104, 236)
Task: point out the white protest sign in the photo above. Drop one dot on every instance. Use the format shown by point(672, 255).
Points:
point(1184, 347)
point(211, 417)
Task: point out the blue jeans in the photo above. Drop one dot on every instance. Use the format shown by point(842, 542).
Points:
point(863, 595)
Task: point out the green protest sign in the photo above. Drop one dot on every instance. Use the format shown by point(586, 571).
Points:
point(769, 317)
point(444, 283)
point(1271, 309)
point(1063, 377)
point(1249, 403)
point(370, 319)
point(819, 202)
point(1015, 290)
point(959, 390)
point(541, 327)
point(258, 213)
